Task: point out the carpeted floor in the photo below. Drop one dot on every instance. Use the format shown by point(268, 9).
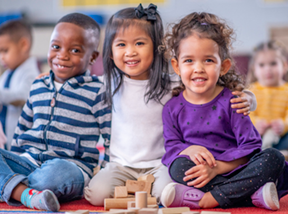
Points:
point(84, 205)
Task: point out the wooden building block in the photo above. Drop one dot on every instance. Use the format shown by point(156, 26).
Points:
point(134, 209)
point(148, 178)
point(78, 212)
point(120, 192)
point(131, 204)
point(213, 212)
point(141, 199)
point(174, 210)
point(153, 206)
point(121, 203)
point(134, 186)
point(148, 211)
point(122, 211)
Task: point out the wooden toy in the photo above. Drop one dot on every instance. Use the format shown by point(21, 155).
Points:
point(120, 192)
point(121, 203)
point(148, 211)
point(141, 200)
point(174, 210)
point(131, 204)
point(148, 178)
point(122, 211)
point(135, 186)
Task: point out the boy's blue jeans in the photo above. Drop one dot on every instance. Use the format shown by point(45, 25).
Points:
point(62, 177)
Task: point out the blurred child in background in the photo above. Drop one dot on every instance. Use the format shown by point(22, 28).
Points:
point(15, 82)
point(267, 69)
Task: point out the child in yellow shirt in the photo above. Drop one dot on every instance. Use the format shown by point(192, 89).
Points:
point(267, 69)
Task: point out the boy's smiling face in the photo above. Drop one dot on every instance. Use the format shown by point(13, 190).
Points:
point(71, 50)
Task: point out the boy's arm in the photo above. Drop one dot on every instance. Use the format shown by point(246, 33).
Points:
point(25, 122)
point(102, 113)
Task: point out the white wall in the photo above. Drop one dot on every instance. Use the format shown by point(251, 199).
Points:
point(251, 19)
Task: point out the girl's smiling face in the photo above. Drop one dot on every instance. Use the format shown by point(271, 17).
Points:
point(199, 65)
point(132, 50)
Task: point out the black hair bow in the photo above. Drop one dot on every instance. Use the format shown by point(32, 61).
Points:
point(150, 12)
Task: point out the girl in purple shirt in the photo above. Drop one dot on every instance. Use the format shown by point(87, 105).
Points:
point(213, 153)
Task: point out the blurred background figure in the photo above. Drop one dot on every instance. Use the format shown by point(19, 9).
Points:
point(22, 69)
point(268, 68)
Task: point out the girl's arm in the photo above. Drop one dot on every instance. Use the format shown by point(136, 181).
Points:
point(204, 174)
point(246, 101)
point(174, 143)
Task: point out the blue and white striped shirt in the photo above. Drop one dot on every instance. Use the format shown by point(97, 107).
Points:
point(65, 123)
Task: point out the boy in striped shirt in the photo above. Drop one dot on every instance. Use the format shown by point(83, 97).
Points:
point(55, 141)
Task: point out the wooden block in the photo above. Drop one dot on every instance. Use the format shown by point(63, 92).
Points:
point(153, 206)
point(134, 186)
point(174, 210)
point(78, 212)
point(122, 211)
point(120, 192)
point(131, 204)
point(148, 211)
point(148, 178)
point(141, 199)
point(212, 212)
point(191, 212)
point(134, 209)
point(121, 203)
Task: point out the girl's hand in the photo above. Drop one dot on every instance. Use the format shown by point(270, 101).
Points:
point(42, 75)
point(262, 126)
point(202, 173)
point(278, 126)
point(243, 102)
point(199, 155)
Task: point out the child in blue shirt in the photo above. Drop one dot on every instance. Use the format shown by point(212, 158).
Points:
point(55, 140)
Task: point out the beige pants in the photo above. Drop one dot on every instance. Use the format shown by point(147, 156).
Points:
point(103, 183)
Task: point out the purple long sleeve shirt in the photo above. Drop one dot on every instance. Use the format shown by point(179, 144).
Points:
point(214, 125)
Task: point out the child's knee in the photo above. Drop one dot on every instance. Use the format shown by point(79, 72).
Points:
point(59, 176)
point(275, 156)
point(96, 194)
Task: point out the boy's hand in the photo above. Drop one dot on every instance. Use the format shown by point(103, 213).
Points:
point(278, 126)
point(42, 75)
point(202, 173)
point(262, 126)
point(199, 155)
point(243, 102)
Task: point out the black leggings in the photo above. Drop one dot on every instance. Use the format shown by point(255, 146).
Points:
point(235, 190)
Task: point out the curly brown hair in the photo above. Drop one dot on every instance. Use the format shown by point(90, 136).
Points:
point(209, 26)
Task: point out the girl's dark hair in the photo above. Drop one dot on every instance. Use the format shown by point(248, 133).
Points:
point(269, 45)
point(205, 25)
point(150, 21)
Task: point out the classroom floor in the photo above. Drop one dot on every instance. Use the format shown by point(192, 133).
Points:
point(84, 205)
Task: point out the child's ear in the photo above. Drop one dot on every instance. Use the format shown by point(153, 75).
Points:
point(93, 58)
point(175, 66)
point(24, 44)
point(226, 65)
